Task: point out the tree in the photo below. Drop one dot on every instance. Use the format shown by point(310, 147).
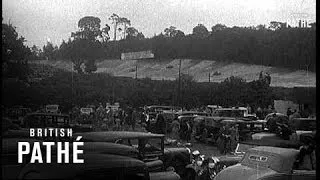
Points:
point(105, 33)
point(261, 27)
point(125, 22)
point(133, 33)
point(200, 31)
point(14, 53)
point(218, 27)
point(90, 66)
point(173, 32)
point(48, 50)
point(115, 21)
point(89, 27)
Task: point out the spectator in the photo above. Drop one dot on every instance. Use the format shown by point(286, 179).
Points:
point(175, 126)
point(249, 109)
point(134, 119)
point(289, 112)
point(272, 123)
point(160, 124)
point(259, 113)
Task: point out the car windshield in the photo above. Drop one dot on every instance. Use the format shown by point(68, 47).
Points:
point(242, 148)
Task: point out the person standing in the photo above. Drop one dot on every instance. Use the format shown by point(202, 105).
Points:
point(175, 126)
point(289, 111)
point(160, 124)
point(259, 113)
point(133, 119)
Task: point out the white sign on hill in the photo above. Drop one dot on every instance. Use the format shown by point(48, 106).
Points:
point(137, 55)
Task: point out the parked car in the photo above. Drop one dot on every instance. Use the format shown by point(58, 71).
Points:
point(16, 114)
point(209, 167)
point(96, 166)
point(9, 157)
point(40, 120)
point(265, 162)
point(150, 147)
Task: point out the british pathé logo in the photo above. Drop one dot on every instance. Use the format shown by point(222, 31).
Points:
point(56, 149)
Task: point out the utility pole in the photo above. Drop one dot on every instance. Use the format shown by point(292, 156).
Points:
point(179, 85)
point(136, 71)
point(209, 76)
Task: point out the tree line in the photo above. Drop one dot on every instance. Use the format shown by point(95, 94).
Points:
point(277, 45)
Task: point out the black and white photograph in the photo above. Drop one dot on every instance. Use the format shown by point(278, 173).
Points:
point(159, 89)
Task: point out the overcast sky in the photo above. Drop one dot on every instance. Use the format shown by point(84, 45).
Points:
point(54, 20)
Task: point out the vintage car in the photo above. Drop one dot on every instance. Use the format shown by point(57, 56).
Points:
point(237, 112)
point(95, 166)
point(302, 126)
point(9, 157)
point(151, 113)
point(11, 168)
point(40, 120)
point(150, 147)
point(16, 114)
point(212, 125)
point(218, 163)
point(191, 113)
point(265, 162)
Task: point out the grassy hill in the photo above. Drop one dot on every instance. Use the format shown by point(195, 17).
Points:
point(199, 69)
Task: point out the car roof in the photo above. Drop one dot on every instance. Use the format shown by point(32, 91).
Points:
point(278, 114)
point(274, 143)
point(283, 152)
point(48, 114)
point(114, 135)
point(107, 147)
point(304, 119)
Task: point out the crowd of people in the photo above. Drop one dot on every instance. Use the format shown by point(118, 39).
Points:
point(108, 118)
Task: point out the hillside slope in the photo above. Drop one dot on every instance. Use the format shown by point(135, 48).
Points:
point(199, 69)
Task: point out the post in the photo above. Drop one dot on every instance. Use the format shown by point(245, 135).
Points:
point(136, 71)
point(179, 103)
point(209, 76)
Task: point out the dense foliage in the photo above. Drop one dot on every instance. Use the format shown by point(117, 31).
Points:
point(274, 46)
point(14, 53)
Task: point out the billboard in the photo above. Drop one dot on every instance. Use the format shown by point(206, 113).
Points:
point(137, 55)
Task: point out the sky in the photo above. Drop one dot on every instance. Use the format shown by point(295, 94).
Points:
point(40, 21)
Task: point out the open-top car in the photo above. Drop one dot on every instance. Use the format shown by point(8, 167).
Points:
point(220, 162)
point(150, 148)
point(265, 162)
